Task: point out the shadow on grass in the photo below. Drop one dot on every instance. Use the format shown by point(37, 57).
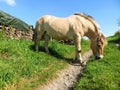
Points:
point(53, 53)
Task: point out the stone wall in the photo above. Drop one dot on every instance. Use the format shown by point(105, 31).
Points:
point(27, 35)
point(18, 34)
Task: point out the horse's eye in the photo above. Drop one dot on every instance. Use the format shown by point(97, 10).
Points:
point(98, 45)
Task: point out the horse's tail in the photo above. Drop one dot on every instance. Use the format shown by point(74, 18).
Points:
point(38, 32)
point(38, 28)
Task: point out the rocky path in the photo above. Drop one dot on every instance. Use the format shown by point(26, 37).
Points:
point(68, 77)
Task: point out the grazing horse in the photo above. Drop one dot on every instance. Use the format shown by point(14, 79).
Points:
point(73, 28)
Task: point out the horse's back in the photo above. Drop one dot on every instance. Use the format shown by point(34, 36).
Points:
point(61, 28)
point(58, 28)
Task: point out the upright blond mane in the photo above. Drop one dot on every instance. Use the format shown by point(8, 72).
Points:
point(91, 19)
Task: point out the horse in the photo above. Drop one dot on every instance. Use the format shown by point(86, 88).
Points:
point(73, 27)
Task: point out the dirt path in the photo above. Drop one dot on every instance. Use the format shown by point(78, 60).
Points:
point(68, 77)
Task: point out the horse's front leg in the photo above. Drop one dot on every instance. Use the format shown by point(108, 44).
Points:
point(77, 41)
point(37, 41)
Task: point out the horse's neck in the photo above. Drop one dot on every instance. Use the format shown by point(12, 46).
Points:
point(91, 35)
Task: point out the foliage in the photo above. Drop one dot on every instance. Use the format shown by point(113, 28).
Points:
point(114, 39)
point(117, 33)
point(102, 74)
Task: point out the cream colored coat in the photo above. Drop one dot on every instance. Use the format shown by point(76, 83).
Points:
point(71, 28)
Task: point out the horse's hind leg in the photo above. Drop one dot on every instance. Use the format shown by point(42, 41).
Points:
point(37, 44)
point(47, 38)
point(37, 40)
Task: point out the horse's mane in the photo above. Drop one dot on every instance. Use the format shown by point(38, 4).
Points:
point(84, 15)
point(91, 19)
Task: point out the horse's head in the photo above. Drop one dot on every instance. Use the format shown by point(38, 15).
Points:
point(97, 46)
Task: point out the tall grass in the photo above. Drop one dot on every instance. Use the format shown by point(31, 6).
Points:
point(103, 74)
point(21, 68)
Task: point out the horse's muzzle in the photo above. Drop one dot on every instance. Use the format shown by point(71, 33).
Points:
point(97, 57)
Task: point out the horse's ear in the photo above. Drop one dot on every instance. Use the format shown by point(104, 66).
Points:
point(104, 40)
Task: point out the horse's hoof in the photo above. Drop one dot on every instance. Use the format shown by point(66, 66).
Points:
point(75, 63)
point(81, 62)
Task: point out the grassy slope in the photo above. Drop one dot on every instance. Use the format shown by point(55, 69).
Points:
point(22, 69)
point(103, 74)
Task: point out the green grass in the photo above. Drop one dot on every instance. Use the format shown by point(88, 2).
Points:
point(21, 68)
point(103, 74)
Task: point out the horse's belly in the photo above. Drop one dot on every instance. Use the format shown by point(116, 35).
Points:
point(60, 36)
